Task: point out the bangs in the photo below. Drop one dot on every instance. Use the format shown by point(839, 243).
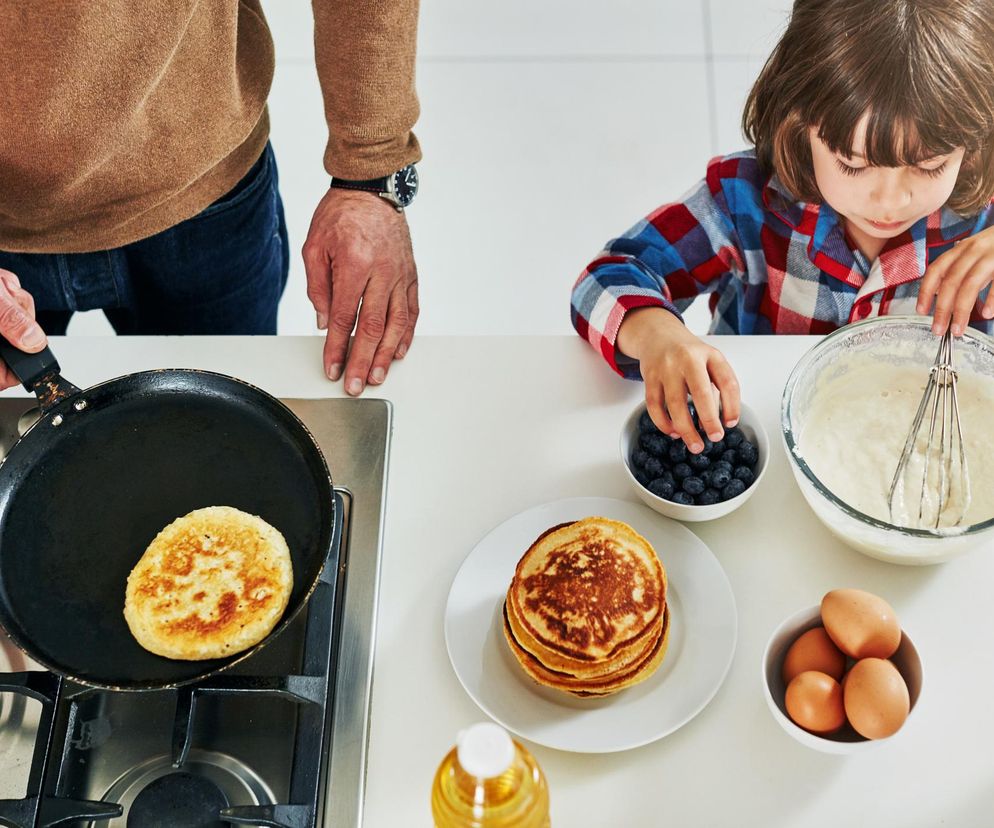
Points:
point(887, 142)
point(905, 123)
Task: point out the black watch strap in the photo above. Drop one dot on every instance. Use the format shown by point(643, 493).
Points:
point(370, 185)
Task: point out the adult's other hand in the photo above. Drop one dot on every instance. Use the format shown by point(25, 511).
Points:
point(360, 264)
point(17, 323)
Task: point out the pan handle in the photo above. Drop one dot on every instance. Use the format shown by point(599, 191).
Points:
point(38, 373)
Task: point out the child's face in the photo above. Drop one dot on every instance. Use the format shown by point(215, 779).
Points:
point(882, 201)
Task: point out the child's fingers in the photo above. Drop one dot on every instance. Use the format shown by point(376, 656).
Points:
point(699, 383)
point(966, 297)
point(728, 387)
point(931, 280)
point(655, 406)
point(683, 423)
point(988, 310)
point(945, 299)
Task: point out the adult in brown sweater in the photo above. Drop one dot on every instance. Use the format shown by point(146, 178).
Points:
point(136, 175)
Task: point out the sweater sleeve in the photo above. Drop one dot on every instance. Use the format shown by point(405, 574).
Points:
point(678, 252)
point(365, 52)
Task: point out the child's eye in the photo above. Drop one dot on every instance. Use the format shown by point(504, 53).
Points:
point(935, 172)
point(849, 170)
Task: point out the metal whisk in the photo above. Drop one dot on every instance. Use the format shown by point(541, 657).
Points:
point(941, 454)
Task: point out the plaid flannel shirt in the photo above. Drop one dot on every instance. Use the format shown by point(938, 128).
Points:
point(772, 265)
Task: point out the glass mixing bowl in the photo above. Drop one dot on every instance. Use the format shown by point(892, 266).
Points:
point(895, 340)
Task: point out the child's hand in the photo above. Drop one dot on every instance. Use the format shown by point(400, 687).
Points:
point(955, 280)
point(673, 362)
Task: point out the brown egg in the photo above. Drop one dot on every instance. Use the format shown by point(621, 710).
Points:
point(876, 698)
point(814, 701)
point(814, 650)
point(861, 624)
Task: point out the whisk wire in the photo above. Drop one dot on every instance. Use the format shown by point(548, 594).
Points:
point(941, 401)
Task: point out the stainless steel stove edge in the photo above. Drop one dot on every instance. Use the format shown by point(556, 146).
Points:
point(364, 471)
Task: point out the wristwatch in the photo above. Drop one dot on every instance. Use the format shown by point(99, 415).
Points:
point(399, 188)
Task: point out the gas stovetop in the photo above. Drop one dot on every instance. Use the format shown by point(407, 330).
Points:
point(278, 740)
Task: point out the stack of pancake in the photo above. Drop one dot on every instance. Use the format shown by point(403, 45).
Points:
point(586, 610)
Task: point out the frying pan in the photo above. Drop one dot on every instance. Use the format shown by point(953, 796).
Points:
point(86, 489)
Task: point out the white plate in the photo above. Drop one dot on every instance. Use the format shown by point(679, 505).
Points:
point(702, 636)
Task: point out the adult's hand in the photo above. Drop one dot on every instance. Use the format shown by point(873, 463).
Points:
point(359, 263)
point(17, 323)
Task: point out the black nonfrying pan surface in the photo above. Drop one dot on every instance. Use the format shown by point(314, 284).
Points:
point(86, 489)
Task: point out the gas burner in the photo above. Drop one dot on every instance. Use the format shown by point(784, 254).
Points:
point(155, 794)
point(12, 706)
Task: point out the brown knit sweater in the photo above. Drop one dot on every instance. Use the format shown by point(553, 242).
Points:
point(119, 119)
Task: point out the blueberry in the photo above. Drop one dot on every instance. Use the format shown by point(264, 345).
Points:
point(682, 470)
point(699, 461)
point(717, 449)
point(678, 452)
point(654, 443)
point(733, 489)
point(708, 445)
point(639, 456)
point(747, 453)
point(654, 467)
point(721, 464)
point(641, 476)
point(684, 498)
point(708, 497)
point(661, 488)
point(693, 485)
point(744, 473)
point(721, 475)
point(733, 437)
point(705, 477)
point(730, 456)
point(646, 423)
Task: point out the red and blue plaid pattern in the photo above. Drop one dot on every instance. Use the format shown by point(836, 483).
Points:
point(772, 265)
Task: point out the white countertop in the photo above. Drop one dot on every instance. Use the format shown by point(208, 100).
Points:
point(487, 427)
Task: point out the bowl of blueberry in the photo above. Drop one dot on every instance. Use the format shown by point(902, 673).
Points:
point(694, 487)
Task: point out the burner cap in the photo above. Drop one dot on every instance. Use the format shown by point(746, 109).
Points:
point(178, 800)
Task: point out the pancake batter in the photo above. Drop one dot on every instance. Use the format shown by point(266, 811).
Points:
point(856, 428)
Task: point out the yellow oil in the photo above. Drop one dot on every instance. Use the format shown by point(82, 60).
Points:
point(518, 798)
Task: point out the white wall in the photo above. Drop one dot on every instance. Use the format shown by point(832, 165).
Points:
point(548, 126)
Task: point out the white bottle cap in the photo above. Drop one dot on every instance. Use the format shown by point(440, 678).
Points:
point(484, 750)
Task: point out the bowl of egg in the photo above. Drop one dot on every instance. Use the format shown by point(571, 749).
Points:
point(846, 412)
point(842, 676)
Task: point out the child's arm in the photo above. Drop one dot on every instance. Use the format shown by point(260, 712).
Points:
point(626, 304)
point(956, 279)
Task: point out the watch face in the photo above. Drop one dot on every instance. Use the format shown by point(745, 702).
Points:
point(405, 185)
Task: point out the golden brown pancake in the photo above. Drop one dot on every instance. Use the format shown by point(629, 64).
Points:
point(602, 686)
point(586, 591)
point(586, 610)
point(211, 584)
point(624, 657)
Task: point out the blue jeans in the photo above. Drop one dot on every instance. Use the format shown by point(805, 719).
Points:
point(221, 272)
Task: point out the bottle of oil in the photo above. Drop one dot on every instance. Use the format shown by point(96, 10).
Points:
point(489, 781)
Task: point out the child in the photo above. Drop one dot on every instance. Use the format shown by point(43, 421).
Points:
point(868, 192)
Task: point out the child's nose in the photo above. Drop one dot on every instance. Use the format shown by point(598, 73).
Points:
point(891, 192)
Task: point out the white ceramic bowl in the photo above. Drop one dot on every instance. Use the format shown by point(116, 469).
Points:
point(847, 740)
point(887, 338)
point(754, 432)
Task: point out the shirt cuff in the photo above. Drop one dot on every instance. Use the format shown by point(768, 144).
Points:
point(624, 365)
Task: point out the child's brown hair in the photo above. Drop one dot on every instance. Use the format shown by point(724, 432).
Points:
point(921, 70)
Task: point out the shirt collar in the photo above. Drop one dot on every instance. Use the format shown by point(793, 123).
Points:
point(903, 258)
